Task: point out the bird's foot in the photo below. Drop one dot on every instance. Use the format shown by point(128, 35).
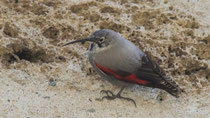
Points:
point(112, 96)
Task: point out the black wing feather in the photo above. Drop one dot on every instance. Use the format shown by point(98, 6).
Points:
point(152, 72)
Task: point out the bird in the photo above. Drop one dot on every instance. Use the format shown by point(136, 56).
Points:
point(122, 63)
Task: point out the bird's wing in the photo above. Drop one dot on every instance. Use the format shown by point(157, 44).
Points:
point(157, 77)
point(149, 74)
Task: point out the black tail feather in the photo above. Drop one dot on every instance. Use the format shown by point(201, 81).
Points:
point(171, 88)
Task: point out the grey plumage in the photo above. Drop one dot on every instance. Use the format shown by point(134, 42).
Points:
point(119, 61)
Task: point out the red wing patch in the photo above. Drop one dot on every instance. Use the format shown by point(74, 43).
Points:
point(131, 78)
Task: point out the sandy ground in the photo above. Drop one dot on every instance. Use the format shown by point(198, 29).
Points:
point(41, 79)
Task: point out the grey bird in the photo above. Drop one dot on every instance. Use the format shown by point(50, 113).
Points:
point(121, 62)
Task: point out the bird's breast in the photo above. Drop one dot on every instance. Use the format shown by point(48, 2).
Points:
point(123, 59)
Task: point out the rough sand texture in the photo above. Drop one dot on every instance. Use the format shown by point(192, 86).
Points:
point(41, 79)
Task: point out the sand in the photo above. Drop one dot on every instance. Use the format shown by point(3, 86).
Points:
point(41, 79)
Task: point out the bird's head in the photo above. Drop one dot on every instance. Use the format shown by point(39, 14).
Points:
point(101, 38)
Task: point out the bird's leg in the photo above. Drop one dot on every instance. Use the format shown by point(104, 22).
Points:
point(112, 96)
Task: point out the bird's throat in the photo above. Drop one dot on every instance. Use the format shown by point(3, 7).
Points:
point(95, 48)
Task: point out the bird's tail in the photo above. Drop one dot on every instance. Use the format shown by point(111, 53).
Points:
point(174, 91)
point(171, 87)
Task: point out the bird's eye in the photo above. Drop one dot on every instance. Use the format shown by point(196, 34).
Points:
point(101, 40)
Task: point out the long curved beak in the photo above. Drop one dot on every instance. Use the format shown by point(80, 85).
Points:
point(81, 40)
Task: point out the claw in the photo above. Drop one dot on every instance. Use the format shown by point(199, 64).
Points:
point(102, 91)
point(107, 92)
point(107, 97)
point(111, 96)
point(128, 99)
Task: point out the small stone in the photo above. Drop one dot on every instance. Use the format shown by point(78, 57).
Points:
point(52, 82)
point(47, 97)
point(91, 110)
point(11, 31)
